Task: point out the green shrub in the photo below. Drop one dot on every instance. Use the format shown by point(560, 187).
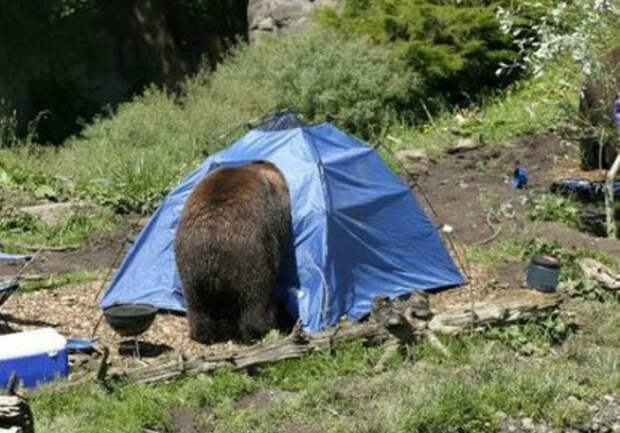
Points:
point(456, 48)
point(128, 159)
point(549, 207)
point(319, 73)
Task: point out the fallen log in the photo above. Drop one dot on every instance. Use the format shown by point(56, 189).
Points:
point(472, 316)
point(600, 273)
point(15, 415)
point(420, 322)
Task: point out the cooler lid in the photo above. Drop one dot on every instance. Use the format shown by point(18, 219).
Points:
point(28, 343)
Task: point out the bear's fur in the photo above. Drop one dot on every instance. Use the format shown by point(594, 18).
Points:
point(229, 246)
point(596, 108)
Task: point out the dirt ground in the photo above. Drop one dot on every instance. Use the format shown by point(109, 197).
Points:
point(464, 187)
point(470, 191)
point(101, 253)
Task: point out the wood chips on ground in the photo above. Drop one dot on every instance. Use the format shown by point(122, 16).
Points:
point(73, 311)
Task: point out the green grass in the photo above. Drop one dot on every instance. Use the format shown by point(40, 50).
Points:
point(127, 159)
point(61, 279)
point(73, 229)
point(533, 106)
point(464, 392)
point(550, 207)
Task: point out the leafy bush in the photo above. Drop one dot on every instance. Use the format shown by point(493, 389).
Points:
point(456, 48)
point(128, 159)
point(319, 73)
point(549, 207)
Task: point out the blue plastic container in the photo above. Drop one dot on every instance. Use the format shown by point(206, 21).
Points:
point(543, 273)
point(36, 357)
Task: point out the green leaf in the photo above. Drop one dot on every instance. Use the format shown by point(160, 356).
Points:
point(45, 191)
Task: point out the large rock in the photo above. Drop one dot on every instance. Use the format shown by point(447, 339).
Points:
point(53, 213)
point(415, 162)
point(278, 16)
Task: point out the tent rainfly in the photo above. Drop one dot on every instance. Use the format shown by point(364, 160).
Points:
point(358, 231)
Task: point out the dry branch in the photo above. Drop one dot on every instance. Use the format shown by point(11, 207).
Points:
point(600, 273)
point(15, 415)
point(464, 317)
point(39, 248)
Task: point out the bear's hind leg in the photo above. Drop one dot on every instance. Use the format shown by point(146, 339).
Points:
point(257, 320)
point(202, 328)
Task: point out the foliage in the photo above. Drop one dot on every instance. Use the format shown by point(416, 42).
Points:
point(73, 229)
point(455, 46)
point(572, 280)
point(127, 159)
point(551, 207)
point(528, 107)
point(536, 336)
point(582, 30)
point(74, 60)
point(320, 73)
point(579, 29)
point(8, 126)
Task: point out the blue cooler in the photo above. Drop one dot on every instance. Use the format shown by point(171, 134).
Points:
point(35, 356)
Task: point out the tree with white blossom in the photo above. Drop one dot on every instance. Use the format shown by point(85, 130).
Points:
point(578, 29)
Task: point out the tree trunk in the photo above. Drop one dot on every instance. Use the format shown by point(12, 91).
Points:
point(15, 415)
point(610, 210)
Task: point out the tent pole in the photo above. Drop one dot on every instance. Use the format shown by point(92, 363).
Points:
point(464, 265)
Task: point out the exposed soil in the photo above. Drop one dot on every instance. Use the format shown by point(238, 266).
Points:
point(572, 238)
point(74, 312)
point(262, 398)
point(183, 420)
point(100, 253)
point(464, 187)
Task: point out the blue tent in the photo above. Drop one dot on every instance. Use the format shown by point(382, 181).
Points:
point(358, 231)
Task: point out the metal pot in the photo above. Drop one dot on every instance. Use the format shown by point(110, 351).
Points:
point(130, 319)
point(543, 273)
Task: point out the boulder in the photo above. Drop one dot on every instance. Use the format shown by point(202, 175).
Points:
point(52, 213)
point(415, 161)
point(280, 16)
point(464, 145)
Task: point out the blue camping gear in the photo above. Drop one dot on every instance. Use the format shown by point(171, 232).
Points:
point(358, 231)
point(617, 112)
point(83, 345)
point(14, 258)
point(583, 189)
point(5, 294)
point(520, 177)
point(36, 357)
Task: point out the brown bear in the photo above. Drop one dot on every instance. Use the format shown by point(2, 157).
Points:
point(229, 246)
point(596, 109)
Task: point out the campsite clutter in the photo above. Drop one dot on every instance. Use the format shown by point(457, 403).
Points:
point(359, 235)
